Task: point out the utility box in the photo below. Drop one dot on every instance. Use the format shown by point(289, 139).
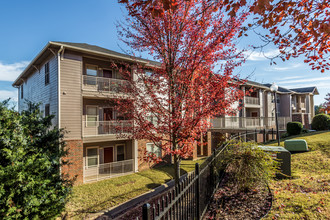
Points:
point(283, 156)
point(297, 145)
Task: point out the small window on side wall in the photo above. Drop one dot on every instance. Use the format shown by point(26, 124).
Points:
point(47, 110)
point(47, 73)
point(22, 92)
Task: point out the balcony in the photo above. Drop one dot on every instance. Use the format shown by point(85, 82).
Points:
point(249, 122)
point(104, 85)
point(251, 100)
point(100, 128)
point(302, 106)
point(107, 170)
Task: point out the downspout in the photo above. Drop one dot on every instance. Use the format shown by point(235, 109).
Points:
point(59, 92)
point(59, 85)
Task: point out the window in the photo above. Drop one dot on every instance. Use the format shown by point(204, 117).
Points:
point(47, 73)
point(152, 148)
point(152, 119)
point(92, 156)
point(22, 91)
point(47, 112)
point(91, 70)
point(92, 116)
point(148, 72)
point(254, 94)
point(120, 152)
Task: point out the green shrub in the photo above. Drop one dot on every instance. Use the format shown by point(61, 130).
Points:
point(248, 165)
point(31, 184)
point(294, 128)
point(304, 131)
point(321, 122)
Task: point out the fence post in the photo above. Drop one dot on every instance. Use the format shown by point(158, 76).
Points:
point(255, 136)
point(213, 166)
point(197, 191)
point(264, 135)
point(272, 133)
point(146, 212)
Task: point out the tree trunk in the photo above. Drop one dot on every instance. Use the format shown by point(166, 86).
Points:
point(176, 169)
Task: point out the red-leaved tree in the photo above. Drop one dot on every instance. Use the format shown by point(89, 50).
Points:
point(327, 103)
point(172, 102)
point(297, 27)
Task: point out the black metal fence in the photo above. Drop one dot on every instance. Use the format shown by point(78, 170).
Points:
point(190, 198)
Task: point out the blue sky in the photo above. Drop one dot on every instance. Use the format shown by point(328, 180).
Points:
point(27, 26)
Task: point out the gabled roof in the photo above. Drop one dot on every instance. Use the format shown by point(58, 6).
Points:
point(280, 89)
point(312, 89)
point(54, 46)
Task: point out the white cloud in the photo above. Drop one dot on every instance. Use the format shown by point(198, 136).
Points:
point(303, 81)
point(261, 55)
point(5, 94)
point(290, 77)
point(289, 67)
point(9, 72)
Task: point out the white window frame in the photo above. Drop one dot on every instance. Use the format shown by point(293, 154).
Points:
point(48, 110)
point(97, 115)
point(22, 91)
point(154, 145)
point(98, 156)
point(92, 65)
point(47, 73)
point(117, 151)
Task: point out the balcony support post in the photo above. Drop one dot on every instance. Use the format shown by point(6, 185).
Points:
point(276, 119)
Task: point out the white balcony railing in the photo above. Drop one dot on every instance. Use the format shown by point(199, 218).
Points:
point(102, 84)
point(249, 122)
point(251, 100)
point(107, 170)
point(96, 128)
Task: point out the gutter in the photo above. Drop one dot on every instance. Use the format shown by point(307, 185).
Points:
point(104, 54)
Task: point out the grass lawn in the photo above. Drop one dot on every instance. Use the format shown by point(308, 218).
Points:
point(95, 197)
point(307, 194)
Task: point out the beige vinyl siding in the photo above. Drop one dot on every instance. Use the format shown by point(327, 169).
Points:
point(35, 90)
point(71, 99)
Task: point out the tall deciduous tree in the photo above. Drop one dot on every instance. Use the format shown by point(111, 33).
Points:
point(172, 102)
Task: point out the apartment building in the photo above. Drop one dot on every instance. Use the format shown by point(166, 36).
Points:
point(75, 83)
point(257, 110)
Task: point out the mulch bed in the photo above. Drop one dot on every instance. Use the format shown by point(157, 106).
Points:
point(229, 203)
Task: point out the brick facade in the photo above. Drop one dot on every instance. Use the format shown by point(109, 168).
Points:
point(75, 157)
point(306, 120)
point(298, 117)
point(142, 163)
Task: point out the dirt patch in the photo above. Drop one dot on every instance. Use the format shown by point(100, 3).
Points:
point(229, 203)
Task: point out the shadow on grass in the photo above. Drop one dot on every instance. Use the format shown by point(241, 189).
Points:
point(91, 209)
point(168, 169)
